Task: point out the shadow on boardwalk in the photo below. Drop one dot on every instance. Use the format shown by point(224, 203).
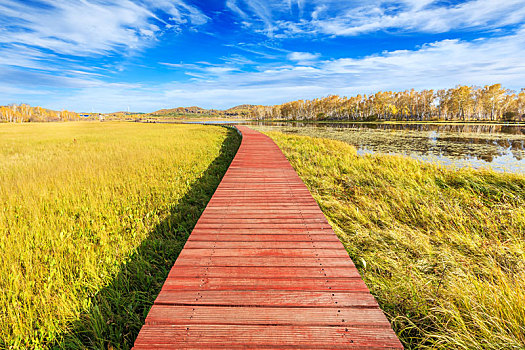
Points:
point(118, 311)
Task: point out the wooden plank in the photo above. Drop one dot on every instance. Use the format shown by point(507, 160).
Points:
point(275, 298)
point(263, 269)
point(264, 226)
point(262, 245)
point(303, 237)
point(261, 213)
point(264, 337)
point(282, 252)
point(255, 230)
point(254, 220)
point(224, 283)
point(264, 261)
point(260, 315)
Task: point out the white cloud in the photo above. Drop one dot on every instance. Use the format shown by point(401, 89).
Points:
point(48, 41)
point(91, 28)
point(199, 69)
point(180, 11)
point(83, 28)
point(258, 14)
point(437, 65)
point(350, 18)
point(219, 70)
point(303, 56)
point(232, 5)
point(419, 16)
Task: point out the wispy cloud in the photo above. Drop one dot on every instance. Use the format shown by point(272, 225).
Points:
point(204, 67)
point(256, 49)
point(258, 14)
point(350, 18)
point(233, 6)
point(303, 57)
point(45, 43)
point(75, 50)
point(423, 17)
point(81, 28)
point(440, 64)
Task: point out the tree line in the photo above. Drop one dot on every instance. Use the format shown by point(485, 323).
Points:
point(462, 103)
point(18, 113)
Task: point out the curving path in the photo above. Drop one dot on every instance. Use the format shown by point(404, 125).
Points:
point(263, 269)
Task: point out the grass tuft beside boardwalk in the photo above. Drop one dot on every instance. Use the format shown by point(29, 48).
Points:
point(442, 249)
point(92, 217)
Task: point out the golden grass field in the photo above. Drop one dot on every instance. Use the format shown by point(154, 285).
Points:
point(442, 249)
point(92, 218)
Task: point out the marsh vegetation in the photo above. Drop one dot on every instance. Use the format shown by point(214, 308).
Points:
point(94, 215)
point(92, 218)
point(500, 147)
point(441, 248)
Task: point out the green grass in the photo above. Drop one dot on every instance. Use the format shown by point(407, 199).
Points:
point(92, 217)
point(442, 249)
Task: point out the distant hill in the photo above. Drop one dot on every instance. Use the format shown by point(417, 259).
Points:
point(183, 110)
point(241, 111)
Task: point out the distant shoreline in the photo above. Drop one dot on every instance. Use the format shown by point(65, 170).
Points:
point(440, 122)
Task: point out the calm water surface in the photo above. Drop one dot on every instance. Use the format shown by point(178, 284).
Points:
point(499, 147)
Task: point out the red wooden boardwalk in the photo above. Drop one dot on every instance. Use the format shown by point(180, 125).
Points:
point(263, 269)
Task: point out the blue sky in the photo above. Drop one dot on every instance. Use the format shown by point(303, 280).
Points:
point(109, 55)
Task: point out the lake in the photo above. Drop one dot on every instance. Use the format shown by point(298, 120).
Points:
point(500, 147)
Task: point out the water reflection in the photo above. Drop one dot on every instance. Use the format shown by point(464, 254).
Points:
point(461, 128)
point(501, 147)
